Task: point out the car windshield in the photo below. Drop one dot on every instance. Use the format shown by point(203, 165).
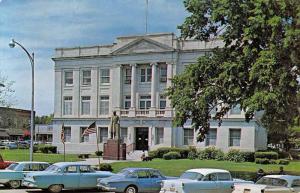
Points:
point(53, 168)
point(272, 181)
point(124, 172)
point(191, 176)
point(12, 166)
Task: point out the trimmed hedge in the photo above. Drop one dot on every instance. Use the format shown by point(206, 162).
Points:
point(262, 161)
point(235, 155)
point(283, 162)
point(106, 167)
point(172, 155)
point(209, 153)
point(266, 155)
point(159, 153)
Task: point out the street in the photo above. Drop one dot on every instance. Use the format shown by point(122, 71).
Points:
point(23, 190)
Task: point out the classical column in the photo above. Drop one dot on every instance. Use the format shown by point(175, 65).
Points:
point(116, 88)
point(153, 89)
point(168, 112)
point(133, 91)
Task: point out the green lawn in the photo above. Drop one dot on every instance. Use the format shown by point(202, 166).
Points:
point(23, 155)
point(176, 167)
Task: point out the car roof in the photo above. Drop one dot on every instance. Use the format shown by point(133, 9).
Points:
point(63, 164)
point(285, 177)
point(136, 169)
point(34, 162)
point(205, 171)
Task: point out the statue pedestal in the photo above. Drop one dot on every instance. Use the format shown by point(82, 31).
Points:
point(114, 150)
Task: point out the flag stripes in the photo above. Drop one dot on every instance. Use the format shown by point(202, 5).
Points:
point(90, 129)
point(62, 135)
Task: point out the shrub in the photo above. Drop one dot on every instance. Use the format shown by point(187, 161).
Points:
point(153, 154)
point(35, 149)
point(172, 155)
point(248, 156)
point(262, 161)
point(267, 155)
point(99, 153)
point(44, 149)
point(234, 155)
point(283, 154)
point(220, 156)
point(210, 153)
point(163, 150)
point(192, 155)
point(272, 161)
point(105, 167)
point(52, 149)
point(283, 162)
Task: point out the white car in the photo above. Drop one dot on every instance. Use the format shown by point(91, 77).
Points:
point(201, 181)
point(272, 184)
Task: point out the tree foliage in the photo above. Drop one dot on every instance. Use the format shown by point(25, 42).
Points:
point(46, 119)
point(257, 68)
point(6, 91)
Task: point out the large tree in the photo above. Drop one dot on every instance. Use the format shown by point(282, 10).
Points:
point(256, 69)
point(6, 91)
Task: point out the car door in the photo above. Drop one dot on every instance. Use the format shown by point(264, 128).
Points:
point(295, 187)
point(155, 179)
point(143, 181)
point(224, 182)
point(209, 184)
point(88, 177)
point(71, 177)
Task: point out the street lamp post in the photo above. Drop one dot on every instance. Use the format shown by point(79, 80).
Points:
point(12, 44)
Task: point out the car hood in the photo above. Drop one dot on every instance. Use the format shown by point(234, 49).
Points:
point(251, 187)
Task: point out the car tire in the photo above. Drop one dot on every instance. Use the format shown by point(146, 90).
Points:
point(55, 188)
point(14, 184)
point(131, 189)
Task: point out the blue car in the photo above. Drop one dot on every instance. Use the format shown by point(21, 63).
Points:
point(133, 180)
point(65, 175)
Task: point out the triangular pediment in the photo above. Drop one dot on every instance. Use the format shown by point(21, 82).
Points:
point(143, 45)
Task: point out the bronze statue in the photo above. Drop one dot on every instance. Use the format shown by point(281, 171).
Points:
point(115, 126)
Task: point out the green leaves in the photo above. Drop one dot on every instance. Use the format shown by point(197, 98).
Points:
point(257, 68)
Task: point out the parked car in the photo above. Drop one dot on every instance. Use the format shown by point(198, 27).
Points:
point(271, 183)
point(13, 175)
point(133, 180)
point(11, 145)
point(22, 144)
point(65, 175)
point(201, 180)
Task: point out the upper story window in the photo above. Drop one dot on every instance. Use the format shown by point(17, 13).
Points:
point(104, 76)
point(146, 74)
point(127, 75)
point(162, 102)
point(127, 102)
point(85, 105)
point(163, 73)
point(68, 78)
point(104, 105)
point(234, 137)
point(86, 78)
point(67, 105)
point(145, 102)
point(211, 138)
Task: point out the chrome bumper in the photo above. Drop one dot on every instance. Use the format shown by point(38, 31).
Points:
point(106, 188)
point(29, 184)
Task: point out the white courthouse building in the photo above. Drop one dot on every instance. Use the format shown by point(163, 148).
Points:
point(130, 77)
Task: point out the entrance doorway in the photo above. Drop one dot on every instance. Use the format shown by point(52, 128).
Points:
point(141, 138)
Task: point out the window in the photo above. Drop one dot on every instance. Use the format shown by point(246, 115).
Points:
point(159, 135)
point(86, 78)
point(70, 169)
point(68, 78)
point(67, 134)
point(236, 110)
point(145, 102)
point(104, 105)
point(123, 134)
point(224, 177)
point(85, 105)
point(103, 134)
point(296, 183)
point(163, 73)
point(142, 174)
point(67, 105)
point(83, 138)
point(85, 169)
point(127, 75)
point(234, 137)
point(210, 177)
point(188, 136)
point(162, 102)
point(104, 76)
point(127, 102)
point(155, 174)
point(146, 74)
point(211, 138)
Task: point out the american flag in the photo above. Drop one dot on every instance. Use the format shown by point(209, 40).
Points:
point(91, 129)
point(62, 135)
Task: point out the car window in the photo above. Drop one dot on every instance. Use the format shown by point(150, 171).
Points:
point(224, 177)
point(85, 169)
point(43, 167)
point(12, 166)
point(272, 181)
point(27, 167)
point(210, 177)
point(35, 167)
point(154, 174)
point(296, 183)
point(70, 169)
point(142, 174)
point(191, 176)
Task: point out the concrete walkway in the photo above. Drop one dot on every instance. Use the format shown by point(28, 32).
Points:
point(94, 161)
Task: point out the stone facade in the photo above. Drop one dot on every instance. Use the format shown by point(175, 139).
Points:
point(129, 77)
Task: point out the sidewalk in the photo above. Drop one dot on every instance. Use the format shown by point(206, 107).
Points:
point(94, 161)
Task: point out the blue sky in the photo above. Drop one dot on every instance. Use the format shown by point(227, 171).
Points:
point(43, 25)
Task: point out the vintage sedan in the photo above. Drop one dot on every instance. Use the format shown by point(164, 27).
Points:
point(201, 181)
point(65, 175)
point(13, 175)
point(271, 183)
point(133, 180)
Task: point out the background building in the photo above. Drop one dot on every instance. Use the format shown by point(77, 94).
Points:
point(43, 133)
point(129, 77)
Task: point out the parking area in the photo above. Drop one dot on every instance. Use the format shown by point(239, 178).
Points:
point(24, 190)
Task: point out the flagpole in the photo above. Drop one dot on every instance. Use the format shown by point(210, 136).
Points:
point(97, 141)
point(64, 152)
